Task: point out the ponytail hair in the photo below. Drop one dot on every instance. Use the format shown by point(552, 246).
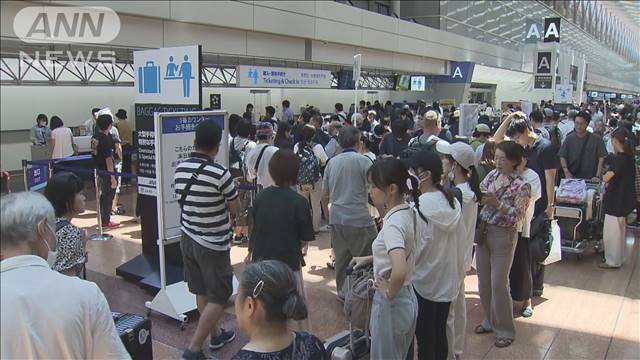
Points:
point(272, 283)
point(622, 136)
point(448, 194)
point(474, 182)
point(415, 194)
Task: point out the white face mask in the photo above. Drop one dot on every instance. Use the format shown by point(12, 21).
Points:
point(52, 256)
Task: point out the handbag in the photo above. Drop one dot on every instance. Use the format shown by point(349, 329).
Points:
point(359, 296)
point(482, 227)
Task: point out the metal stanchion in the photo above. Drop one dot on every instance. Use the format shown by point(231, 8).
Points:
point(25, 176)
point(100, 236)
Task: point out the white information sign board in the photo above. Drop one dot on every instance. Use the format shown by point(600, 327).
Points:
point(167, 75)
point(469, 114)
point(563, 94)
point(273, 77)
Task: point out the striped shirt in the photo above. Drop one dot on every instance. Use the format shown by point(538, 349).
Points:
point(205, 216)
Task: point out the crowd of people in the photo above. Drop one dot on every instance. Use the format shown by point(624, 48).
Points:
point(401, 190)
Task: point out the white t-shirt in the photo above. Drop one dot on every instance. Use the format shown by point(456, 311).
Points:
point(262, 176)
point(437, 275)
point(469, 217)
point(318, 151)
point(532, 178)
point(398, 231)
point(241, 144)
point(63, 146)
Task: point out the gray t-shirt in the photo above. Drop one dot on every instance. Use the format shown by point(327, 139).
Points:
point(345, 179)
point(587, 167)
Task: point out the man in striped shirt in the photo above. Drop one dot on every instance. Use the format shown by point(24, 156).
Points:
point(207, 196)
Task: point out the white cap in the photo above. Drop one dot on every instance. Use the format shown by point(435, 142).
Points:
point(372, 112)
point(456, 113)
point(406, 106)
point(443, 147)
point(463, 154)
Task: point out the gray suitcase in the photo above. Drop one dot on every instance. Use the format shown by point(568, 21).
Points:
point(352, 344)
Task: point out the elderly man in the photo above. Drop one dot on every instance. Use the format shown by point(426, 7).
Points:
point(345, 184)
point(582, 153)
point(46, 314)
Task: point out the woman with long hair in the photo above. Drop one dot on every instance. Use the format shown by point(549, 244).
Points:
point(312, 160)
point(465, 179)
point(436, 279)
point(619, 199)
point(395, 308)
point(283, 138)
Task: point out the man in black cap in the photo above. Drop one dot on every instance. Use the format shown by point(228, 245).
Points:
point(126, 138)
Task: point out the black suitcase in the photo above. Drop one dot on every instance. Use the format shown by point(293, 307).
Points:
point(135, 333)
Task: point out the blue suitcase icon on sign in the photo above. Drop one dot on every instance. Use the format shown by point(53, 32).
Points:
point(149, 79)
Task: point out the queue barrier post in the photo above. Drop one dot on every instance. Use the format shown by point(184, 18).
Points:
point(100, 236)
point(25, 177)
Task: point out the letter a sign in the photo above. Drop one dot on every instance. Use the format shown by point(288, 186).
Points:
point(457, 73)
point(543, 63)
point(552, 30)
point(533, 32)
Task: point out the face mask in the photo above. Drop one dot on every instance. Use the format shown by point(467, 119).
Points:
point(52, 256)
point(42, 124)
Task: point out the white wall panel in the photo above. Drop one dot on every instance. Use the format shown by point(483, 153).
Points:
point(213, 39)
point(231, 14)
point(379, 22)
point(379, 39)
point(332, 53)
point(8, 11)
point(283, 22)
point(159, 9)
point(332, 31)
point(409, 45)
point(137, 31)
point(274, 46)
point(300, 7)
point(376, 59)
point(338, 12)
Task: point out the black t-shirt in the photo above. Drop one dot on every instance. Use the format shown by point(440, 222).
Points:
point(307, 347)
point(282, 220)
point(542, 156)
point(104, 150)
point(620, 194)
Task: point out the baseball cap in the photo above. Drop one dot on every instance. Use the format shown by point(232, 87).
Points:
point(463, 154)
point(443, 147)
point(121, 114)
point(456, 113)
point(406, 106)
point(372, 112)
point(264, 129)
point(483, 129)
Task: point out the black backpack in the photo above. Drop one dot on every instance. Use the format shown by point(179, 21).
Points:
point(417, 147)
point(237, 156)
point(540, 238)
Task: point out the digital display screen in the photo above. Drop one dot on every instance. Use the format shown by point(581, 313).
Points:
point(403, 82)
point(418, 83)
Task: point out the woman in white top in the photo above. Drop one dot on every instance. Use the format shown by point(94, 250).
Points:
point(436, 278)
point(61, 139)
point(312, 192)
point(520, 280)
point(395, 306)
point(465, 177)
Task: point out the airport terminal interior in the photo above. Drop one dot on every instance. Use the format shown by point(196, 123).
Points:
point(376, 179)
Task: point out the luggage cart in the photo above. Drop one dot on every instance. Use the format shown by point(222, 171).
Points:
point(588, 216)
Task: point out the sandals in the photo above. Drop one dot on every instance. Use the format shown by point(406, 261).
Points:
point(527, 312)
point(481, 330)
point(503, 342)
point(604, 265)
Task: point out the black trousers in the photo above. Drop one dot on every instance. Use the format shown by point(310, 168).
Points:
point(126, 163)
point(106, 199)
point(520, 278)
point(537, 275)
point(431, 329)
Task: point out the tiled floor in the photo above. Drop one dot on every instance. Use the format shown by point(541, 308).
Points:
point(585, 313)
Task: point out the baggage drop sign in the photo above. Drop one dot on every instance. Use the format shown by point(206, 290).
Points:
point(168, 75)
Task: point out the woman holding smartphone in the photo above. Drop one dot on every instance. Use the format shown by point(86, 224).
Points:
point(505, 198)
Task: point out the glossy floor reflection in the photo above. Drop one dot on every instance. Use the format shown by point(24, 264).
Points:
point(585, 312)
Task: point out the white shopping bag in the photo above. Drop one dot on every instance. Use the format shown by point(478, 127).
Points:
point(555, 254)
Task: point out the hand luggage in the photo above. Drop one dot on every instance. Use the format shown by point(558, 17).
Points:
point(135, 333)
point(149, 78)
point(350, 344)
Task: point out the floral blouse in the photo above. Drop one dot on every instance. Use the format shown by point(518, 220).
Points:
point(514, 193)
point(71, 251)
